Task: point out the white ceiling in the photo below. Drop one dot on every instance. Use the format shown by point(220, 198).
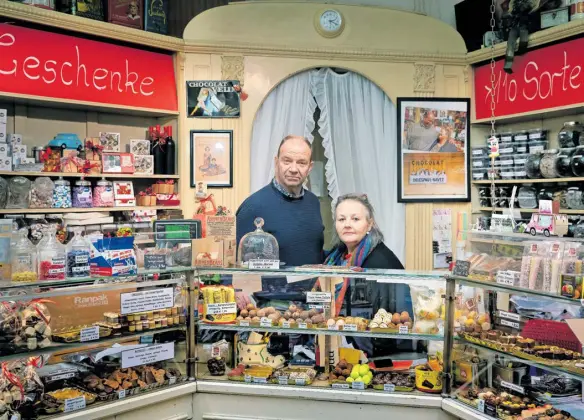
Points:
point(439, 9)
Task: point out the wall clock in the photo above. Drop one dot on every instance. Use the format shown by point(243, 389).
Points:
point(329, 23)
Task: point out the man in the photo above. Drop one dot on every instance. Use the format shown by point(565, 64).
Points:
point(424, 136)
point(290, 212)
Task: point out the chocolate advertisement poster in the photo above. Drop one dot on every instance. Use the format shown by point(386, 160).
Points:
point(156, 16)
point(126, 12)
point(213, 99)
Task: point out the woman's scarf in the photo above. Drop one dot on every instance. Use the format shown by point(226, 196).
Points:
point(339, 255)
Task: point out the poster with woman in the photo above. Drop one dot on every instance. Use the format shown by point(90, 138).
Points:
point(212, 158)
point(433, 157)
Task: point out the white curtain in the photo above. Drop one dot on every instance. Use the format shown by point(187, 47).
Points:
point(358, 127)
point(288, 109)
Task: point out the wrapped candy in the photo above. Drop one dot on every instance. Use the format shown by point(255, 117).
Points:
point(18, 193)
point(41, 193)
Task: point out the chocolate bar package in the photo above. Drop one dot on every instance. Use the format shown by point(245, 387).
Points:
point(156, 16)
point(126, 12)
point(91, 9)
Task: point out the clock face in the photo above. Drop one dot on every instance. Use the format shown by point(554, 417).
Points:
point(331, 21)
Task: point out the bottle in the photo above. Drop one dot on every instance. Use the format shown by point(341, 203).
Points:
point(78, 251)
point(23, 258)
point(170, 151)
point(51, 257)
point(158, 150)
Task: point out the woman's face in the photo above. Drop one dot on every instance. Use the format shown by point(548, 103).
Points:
point(351, 222)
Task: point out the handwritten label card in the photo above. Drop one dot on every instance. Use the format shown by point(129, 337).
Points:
point(147, 300)
point(89, 334)
point(147, 355)
point(74, 404)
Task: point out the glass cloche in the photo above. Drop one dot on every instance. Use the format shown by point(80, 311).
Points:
point(258, 245)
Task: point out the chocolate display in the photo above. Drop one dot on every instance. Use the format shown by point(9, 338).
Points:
point(216, 366)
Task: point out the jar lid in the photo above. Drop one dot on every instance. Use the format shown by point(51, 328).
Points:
point(62, 181)
point(82, 183)
point(104, 183)
point(571, 123)
point(549, 151)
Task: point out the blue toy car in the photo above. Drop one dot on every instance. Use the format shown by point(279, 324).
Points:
point(67, 141)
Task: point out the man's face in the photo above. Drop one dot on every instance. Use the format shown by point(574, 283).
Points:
point(429, 118)
point(294, 163)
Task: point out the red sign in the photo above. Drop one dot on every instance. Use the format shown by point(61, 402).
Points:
point(50, 65)
point(546, 78)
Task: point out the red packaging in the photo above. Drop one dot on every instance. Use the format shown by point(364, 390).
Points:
point(53, 269)
point(126, 12)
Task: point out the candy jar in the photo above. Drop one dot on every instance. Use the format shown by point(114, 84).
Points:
point(532, 165)
point(547, 165)
point(41, 193)
point(23, 258)
point(3, 193)
point(563, 162)
point(78, 254)
point(578, 162)
point(571, 134)
point(51, 255)
point(62, 194)
point(574, 198)
point(18, 193)
point(103, 194)
point(258, 245)
point(82, 196)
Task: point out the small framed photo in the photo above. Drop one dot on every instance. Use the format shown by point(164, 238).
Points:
point(212, 158)
point(110, 141)
point(140, 147)
point(144, 164)
point(118, 163)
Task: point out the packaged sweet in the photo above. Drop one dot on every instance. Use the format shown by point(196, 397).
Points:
point(219, 305)
point(41, 193)
point(3, 192)
point(428, 307)
point(18, 193)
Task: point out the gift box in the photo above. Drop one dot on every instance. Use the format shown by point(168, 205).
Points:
point(146, 200)
point(144, 215)
point(112, 256)
point(167, 199)
point(92, 167)
point(163, 187)
point(140, 147)
point(124, 194)
point(143, 164)
point(93, 148)
point(118, 163)
point(110, 141)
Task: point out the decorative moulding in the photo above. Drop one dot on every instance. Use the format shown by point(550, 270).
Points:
point(424, 79)
point(232, 68)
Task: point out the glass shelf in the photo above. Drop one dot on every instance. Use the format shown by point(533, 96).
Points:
point(510, 356)
point(315, 331)
point(69, 347)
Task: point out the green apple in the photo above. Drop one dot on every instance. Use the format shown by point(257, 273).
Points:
point(355, 373)
point(367, 380)
point(349, 379)
point(363, 369)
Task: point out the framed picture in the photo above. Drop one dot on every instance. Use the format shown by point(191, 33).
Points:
point(433, 150)
point(213, 99)
point(212, 158)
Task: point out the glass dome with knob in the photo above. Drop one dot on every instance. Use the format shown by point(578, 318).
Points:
point(258, 246)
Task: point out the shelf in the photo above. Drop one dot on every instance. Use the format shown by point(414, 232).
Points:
point(493, 286)
point(462, 411)
point(512, 357)
point(522, 237)
point(89, 26)
point(59, 347)
point(75, 175)
point(563, 211)
point(87, 210)
point(529, 181)
point(365, 334)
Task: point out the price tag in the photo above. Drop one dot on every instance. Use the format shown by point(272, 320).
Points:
point(505, 278)
point(509, 315)
point(259, 380)
point(510, 324)
point(481, 406)
point(121, 394)
point(513, 387)
point(247, 379)
point(73, 404)
point(350, 327)
point(302, 326)
point(244, 323)
point(221, 308)
point(403, 329)
point(147, 300)
point(62, 376)
point(264, 264)
point(318, 297)
point(265, 322)
point(283, 380)
point(172, 380)
point(147, 355)
point(215, 351)
point(358, 385)
point(155, 261)
point(389, 387)
point(300, 381)
point(333, 327)
point(341, 386)
point(286, 324)
point(89, 334)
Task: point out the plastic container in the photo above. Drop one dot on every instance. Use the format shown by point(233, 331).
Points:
point(23, 259)
point(51, 257)
point(82, 195)
point(479, 152)
point(479, 174)
point(522, 147)
point(577, 162)
point(18, 193)
point(527, 198)
point(506, 160)
point(103, 194)
point(537, 134)
point(571, 134)
point(508, 172)
point(507, 149)
point(563, 162)
point(480, 163)
point(547, 165)
point(520, 159)
point(537, 146)
point(506, 137)
point(41, 193)
point(575, 198)
point(532, 165)
point(62, 194)
point(78, 252)
point(520, 172)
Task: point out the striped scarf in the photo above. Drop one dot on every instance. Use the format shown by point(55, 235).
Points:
point(339, 255)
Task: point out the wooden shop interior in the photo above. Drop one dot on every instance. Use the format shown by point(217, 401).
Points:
point(66, 77)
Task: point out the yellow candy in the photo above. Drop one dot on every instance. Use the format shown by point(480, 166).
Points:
point(24, 277)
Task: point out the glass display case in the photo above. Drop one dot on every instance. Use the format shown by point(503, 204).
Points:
point(72, 344)
point(528, 364)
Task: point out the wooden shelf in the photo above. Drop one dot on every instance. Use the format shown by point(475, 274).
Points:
point(529, 181)
point(87, 210)
point(564, 211)
point(561, 111)
point(74, 175)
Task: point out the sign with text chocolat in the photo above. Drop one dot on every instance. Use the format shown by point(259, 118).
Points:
point(76, 69)
point(545, 78)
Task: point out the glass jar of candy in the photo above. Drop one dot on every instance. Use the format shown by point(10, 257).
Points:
point(82, 195)
point(23, 258)
point(103, 194)
point(532, 166)
point(571, 134)
point(18, 193)
point(578, 161)
point(41, 193)
point(574, 198)
point(547, 165)
point(51, 257)
point(563, 162)
point(62, 194)
point(78, 254)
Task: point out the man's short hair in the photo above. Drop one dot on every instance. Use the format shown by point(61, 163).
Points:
point(290, 137)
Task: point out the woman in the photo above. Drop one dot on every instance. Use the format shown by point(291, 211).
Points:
point(359, 243)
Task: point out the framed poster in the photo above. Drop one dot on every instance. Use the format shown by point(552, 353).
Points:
point(213, 99)
point(212, 158)
point(433, 155)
